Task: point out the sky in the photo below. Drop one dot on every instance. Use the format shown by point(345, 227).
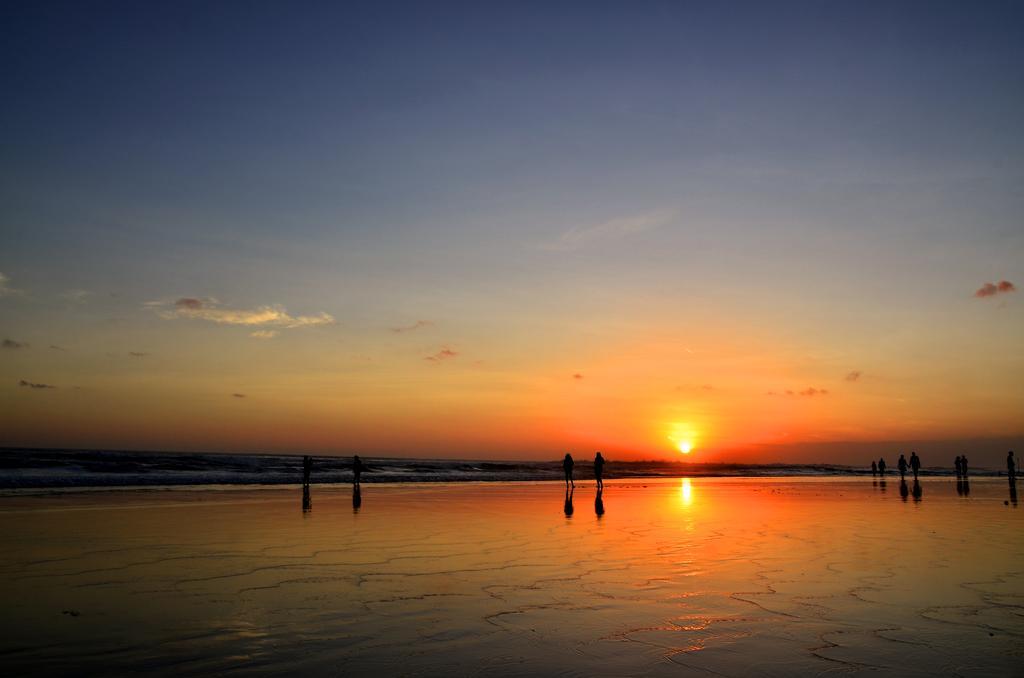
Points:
point(763, 232)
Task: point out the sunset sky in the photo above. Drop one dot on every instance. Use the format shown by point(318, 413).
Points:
point(458, 230)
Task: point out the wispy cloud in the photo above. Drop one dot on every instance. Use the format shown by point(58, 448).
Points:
point(808, 392)
point(5, 289)
point(32, 384)
point(263, 334)
point(419, 324)
point(14, 345)
point(853, 376)
point(237, 395)
point(444, 354)
point(613, 229)
point(77, 296)
point(211, 310)
point(992, 289)
point(55, 347)
point(137, 354)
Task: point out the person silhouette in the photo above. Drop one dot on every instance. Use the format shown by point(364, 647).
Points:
point(1011, 466)
point(599, 504)
point(963, 466)
point(874, 468)
point(357, 469)
point(307, 469)
point(599, 472)
point(915, 463)
point(567, 465)
point(901, 464)
point(956, 463)
point(881, 467)
point(568, 502)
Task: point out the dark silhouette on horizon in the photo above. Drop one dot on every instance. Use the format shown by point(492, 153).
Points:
point(568, 502)
point(599, 504)
point(963, 466)
point(874, 468)
point(357, 469)
point(567, 465)
point(915, 463)
point(959, 469)
point(881, 467)
point(902, 466)
point(307, 472)
point(599, 473)
point(1011, 466)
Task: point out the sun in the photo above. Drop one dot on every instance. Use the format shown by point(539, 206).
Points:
point(685, 446)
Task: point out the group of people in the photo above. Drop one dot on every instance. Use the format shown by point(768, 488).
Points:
point(960, 463)
point(878, 468)
point(568, 464)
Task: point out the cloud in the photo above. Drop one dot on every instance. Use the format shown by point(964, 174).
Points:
point(14, 345)
point(30, 384)
point(992, 289)
point(77, 296)
point(5, 289)
point(613, 229)
point(853, 376)
point(808, 392)
point(137, 354)
point(419, 324)
point(444, 354)
point(55, 347)
point(262, 316)
point(577, 376)
point(237, 395)
point(263, 334)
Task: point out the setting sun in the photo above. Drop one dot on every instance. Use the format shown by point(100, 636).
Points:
point(685, 446)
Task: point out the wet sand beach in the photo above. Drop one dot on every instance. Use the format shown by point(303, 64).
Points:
point(735, 577)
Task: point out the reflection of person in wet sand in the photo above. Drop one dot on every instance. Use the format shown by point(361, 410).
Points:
point(568, 502)
point(357, 498)
point(599, 473)
point(599, 504)
point(1013, 491)
point(917, 490)
point(1011, 466)
point(903, 489)
point(567, 465)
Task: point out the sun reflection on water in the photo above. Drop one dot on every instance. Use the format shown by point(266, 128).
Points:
point(686, 492)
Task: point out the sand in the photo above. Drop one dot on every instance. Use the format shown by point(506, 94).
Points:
point(772, 577)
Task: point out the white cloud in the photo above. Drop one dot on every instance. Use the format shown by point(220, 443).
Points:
point(5, 290)
point(261, 316)
point(613, 229)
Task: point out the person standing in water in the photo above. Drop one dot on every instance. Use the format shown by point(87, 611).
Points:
point(901, 464)
point(599, 471)
point(567, 465)
point(357, 469)
point(881, 467)
point(915, 463)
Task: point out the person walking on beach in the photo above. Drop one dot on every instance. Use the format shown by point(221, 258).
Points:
point(567, 465)
point(915, 463)
point(881, 467)
point(874, 468)
point(1011, 466)
point(956, 462)
point(902, 466)
point(599, 471)
point(963, 466)
point(357, 469)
